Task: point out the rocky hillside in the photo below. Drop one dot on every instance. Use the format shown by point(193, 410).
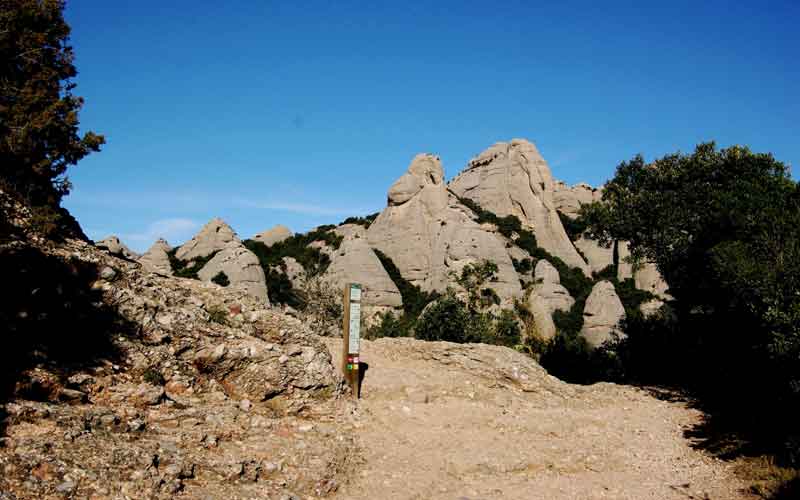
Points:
point(504, 207)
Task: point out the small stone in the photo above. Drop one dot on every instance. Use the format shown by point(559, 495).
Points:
point(136, 425)
point(305, 428)
point(71, 395)
point(283, 359)
point(245, 405)
point(108, 273)
point(66, 487)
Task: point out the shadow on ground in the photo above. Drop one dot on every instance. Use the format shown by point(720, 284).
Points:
point(52, 319)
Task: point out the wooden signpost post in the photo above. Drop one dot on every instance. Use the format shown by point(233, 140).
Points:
point(352, 337)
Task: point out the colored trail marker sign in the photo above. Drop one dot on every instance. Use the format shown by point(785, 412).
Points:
point(352, 337)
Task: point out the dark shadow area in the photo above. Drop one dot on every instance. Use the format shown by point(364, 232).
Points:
point(362, 373)
point(788, 491)
point(52, 319)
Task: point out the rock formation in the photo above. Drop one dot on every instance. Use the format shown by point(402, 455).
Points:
point(213, 237)
point(156, 260)
point(242, 268)
point(274, 235)
point(428, 234)
point(598, 257)
point(602, 315)
point(513, 179)
point(568, 200)
point(355, 262)
point(547, 286)
point(114, 246)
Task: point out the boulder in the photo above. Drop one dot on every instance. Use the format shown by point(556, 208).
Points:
point(213, 237)
point(273, 235)
point(602, 315)
point(429, 234)
point(548, 289)
point(114, 246)
point(355, 262)
point(156, 260)
point(294, 271)
point(512, 178)
point(242, 268)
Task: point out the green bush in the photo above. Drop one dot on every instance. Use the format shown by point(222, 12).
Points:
point(447, 319)
point(362, 221)
point(181, 269)
point(391, 326)
point(221, 279)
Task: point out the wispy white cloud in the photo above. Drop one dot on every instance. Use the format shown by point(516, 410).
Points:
point(172, 229)
point(299, 208)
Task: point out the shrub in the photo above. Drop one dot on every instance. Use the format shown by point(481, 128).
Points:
point(362, 221)
point(389, 325)
point(182, 269)
point(221, 279)
point(153, 376)
point(447, 319)
point(218, 315)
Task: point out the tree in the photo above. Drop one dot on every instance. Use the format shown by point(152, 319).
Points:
point(39, 128)
point(723, 227)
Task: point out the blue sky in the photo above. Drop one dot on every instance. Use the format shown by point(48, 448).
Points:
point(303, 113)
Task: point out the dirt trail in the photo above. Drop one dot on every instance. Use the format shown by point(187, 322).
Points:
point(439, 420)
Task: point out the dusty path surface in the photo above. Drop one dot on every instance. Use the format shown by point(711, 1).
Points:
point(440, 420)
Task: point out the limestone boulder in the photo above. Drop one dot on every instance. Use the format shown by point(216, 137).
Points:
point(213, 237)
point(273, 235)
point(114, 246)
point(548, 289)
point(430, 235)
point(356, 262)
point(242, 268)
point(512, 178)
point(602, 315)
point(156, 260)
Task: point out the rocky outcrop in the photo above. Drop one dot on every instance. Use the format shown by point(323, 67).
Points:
point(602, 315)
point(597, 256)
point(512, 178)
point(545, 328)
point(114, 246)
point(569, 199)
point(156, 260)
point(355, 262)
point(242, 268)
point(213, 237)
point(429, 235)
point(547, 286)
point(648, 278)
point(273, 235)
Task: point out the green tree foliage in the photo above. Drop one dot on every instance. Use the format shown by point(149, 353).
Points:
point(723, 227)
point(184, 269)
point(39, 129)
point(361, 221)
point(221, 279)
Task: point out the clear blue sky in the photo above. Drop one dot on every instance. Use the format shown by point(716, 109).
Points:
point(303, 113)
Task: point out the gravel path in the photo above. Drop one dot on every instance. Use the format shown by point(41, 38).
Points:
point(440, 420)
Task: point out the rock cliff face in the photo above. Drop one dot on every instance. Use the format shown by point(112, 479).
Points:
point(273, 235)
point(156, 260)
point(602, 315)
point(568, 199)
point(213, 237)
point(512, 178)
point(428, 234)
point(242, 268)
point(355, 262)
point(114, 246)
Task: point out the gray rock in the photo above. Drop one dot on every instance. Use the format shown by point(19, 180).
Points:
point(213, 237)
point(114, 246)
point(273, 235)
point(602, 315)
point(512, 178)
point(156, 260)
point(242, 268)
point(108, 273)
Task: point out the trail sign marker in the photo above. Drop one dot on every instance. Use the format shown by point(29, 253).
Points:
point(352, 337)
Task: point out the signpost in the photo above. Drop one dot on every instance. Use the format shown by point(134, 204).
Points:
point(352, 337)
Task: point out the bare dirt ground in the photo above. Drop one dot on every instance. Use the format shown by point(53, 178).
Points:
point(439, 420)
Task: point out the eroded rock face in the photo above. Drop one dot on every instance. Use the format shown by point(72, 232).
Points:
point(542, 316)
point(547, 287)
point(273, 235)
point(598, 257)
point(242, 268)
point(602, 315)
point(649, 279)
point(568, 199)
point(213, 237)
point(114, 246)
point(155, 260)
point(512, 178)
point(428, 234)
point(355, 262)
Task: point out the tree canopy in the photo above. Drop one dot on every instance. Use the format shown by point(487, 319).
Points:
point(39, 127)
